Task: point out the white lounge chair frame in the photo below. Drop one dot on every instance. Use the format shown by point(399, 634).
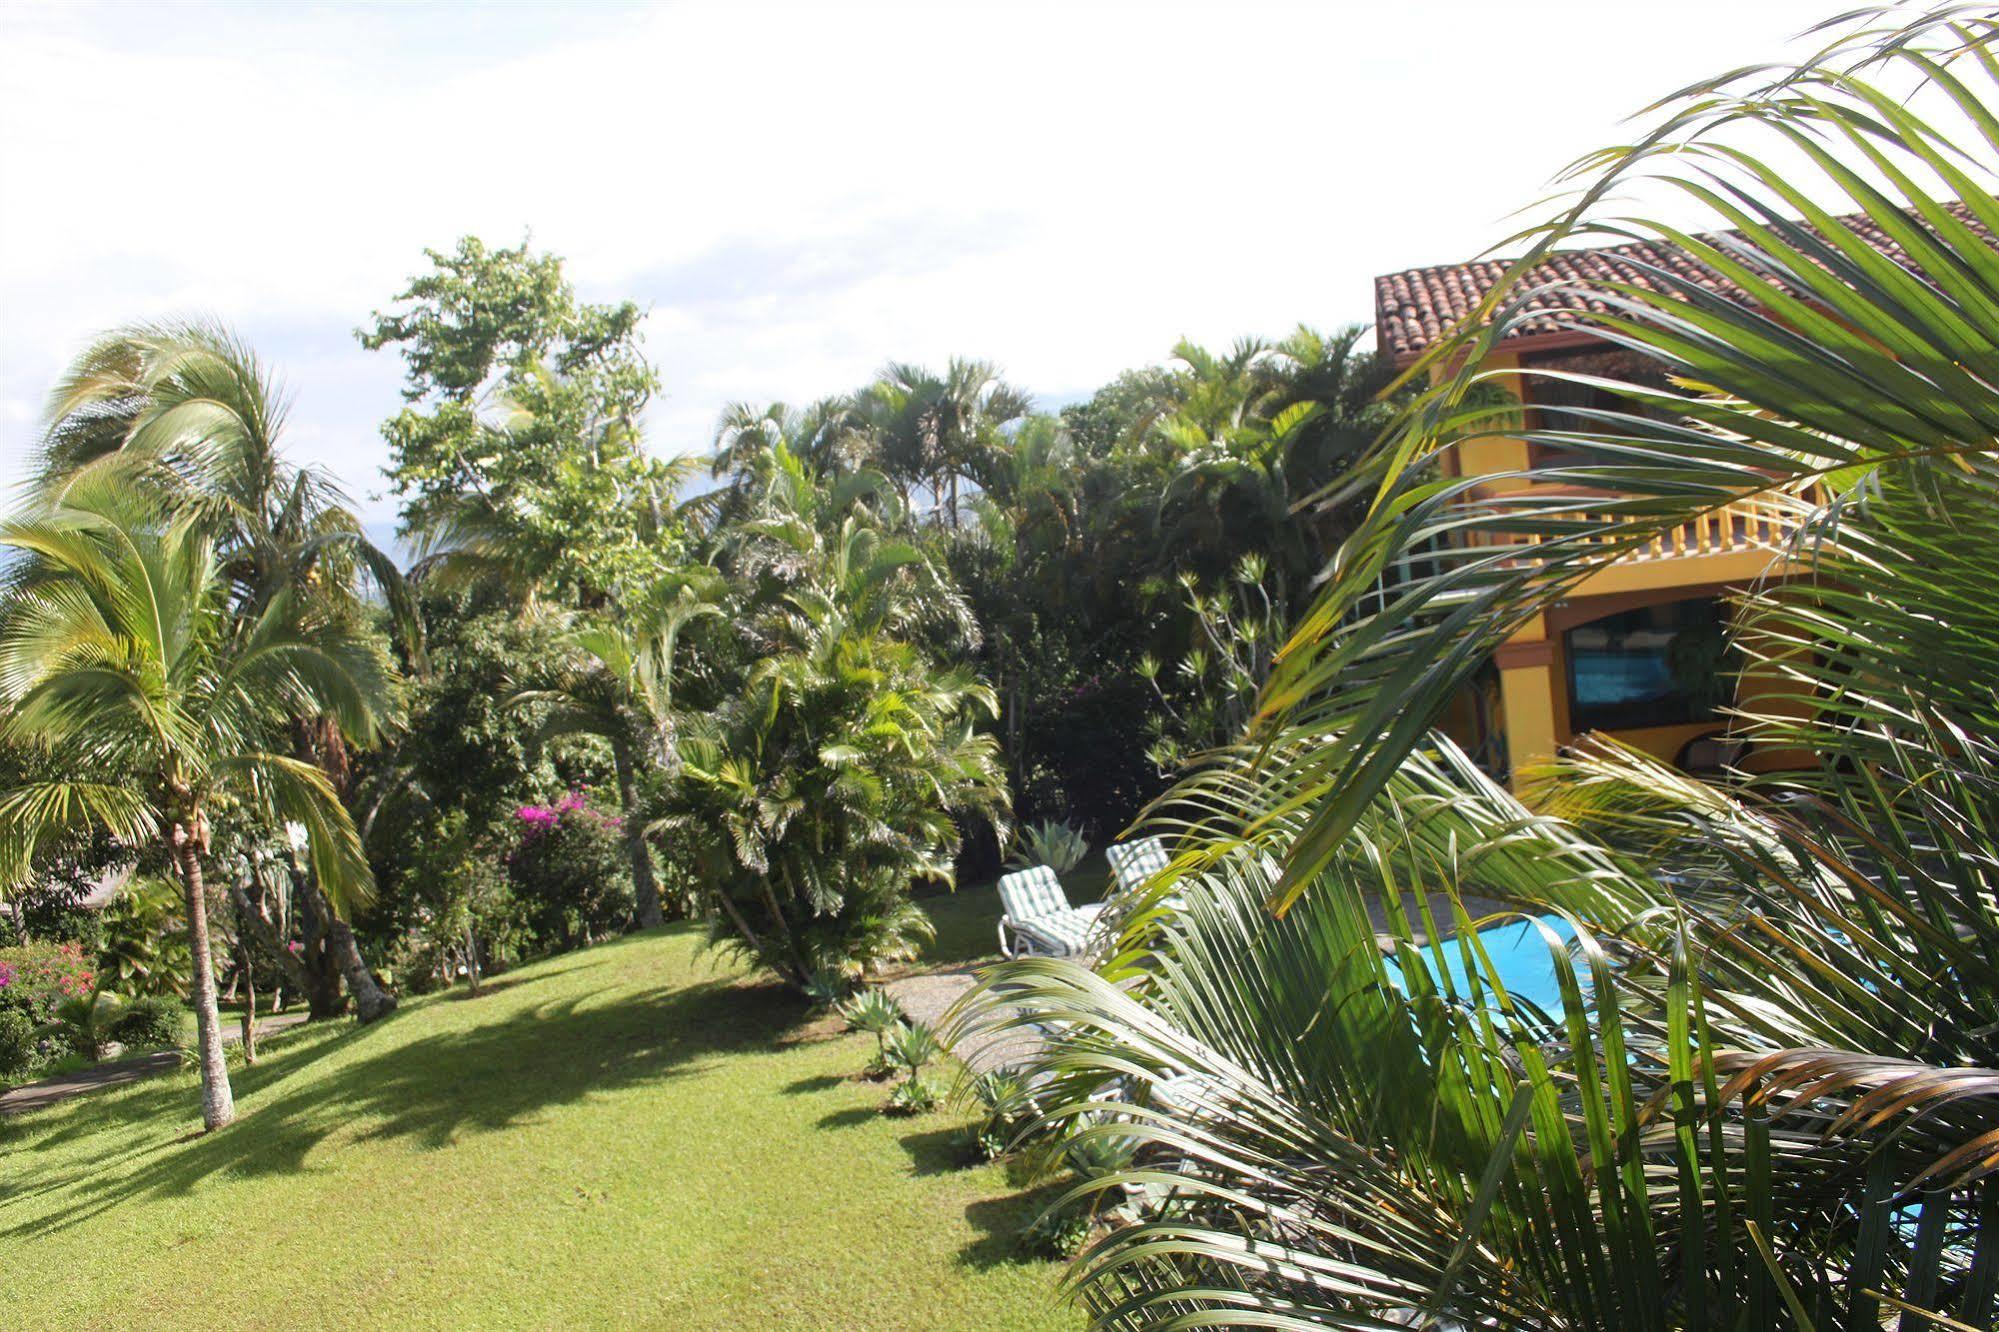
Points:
point(1038, 919)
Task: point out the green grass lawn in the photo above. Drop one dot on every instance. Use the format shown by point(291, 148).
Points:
point(632, 1134)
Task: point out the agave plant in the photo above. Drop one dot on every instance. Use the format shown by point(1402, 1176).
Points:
point(876, 1012)
point(911, 1045)
point(1055, 843)
point(1771, 1096)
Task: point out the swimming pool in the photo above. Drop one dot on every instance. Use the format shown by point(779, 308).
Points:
point(1519, 953)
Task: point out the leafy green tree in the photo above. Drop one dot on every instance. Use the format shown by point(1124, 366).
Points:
point(1765, 1095)
point(453, 777)
point(121, 650)
point(518, 454)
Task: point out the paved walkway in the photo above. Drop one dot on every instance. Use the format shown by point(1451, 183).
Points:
point(117, 1072)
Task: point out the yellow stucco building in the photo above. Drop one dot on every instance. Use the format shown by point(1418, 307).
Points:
point(1637, 651)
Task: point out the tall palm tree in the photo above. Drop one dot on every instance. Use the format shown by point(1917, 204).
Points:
point(933, 430)
point(618, 685)
point(1767, 1092)
point(187, 411)
point(121, 650)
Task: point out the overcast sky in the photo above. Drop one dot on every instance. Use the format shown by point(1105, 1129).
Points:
point(796, 195)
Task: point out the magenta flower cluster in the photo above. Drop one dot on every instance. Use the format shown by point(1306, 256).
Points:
point(6, 974)
point(538, 819)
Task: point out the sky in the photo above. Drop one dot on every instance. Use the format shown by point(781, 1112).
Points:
point(797, 195)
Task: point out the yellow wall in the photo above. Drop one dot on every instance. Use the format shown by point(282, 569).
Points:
point(1533, 678)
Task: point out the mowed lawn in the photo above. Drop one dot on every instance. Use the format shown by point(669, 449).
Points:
point(635, 1134)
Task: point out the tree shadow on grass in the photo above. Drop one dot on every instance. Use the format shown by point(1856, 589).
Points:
point(821, 1082)
point(435, 1089)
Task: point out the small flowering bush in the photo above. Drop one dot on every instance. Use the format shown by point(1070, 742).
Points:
point(569, 874)
point(539, 819)
point(36, 979)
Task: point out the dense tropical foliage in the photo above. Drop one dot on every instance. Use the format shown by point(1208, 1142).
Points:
point(1234, 596)
point(1768, 1094)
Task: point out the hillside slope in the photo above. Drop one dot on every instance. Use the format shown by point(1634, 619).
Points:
point(629, 1135)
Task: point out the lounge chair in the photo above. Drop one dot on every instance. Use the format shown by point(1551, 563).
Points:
point(1038, 917)
point(1134, 863)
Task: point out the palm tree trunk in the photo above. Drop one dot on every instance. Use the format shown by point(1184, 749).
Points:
point(371, 1001)
point(645, 888)
point(801, 973)
point(218, 1103)
point(249, 1014)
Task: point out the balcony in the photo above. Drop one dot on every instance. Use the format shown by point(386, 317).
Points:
point(1744, 541)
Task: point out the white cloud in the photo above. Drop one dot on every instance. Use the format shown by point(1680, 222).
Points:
point(798, 193)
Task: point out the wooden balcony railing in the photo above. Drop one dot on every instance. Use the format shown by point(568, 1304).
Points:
point(1756, 523)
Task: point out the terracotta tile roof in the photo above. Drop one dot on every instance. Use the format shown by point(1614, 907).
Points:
point(1413, 308)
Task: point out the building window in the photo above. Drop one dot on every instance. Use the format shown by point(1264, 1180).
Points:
point(1656, 666)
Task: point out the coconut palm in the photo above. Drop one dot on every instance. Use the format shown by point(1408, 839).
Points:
point(122, 650)
point(187, 412)
point(1768, 1095)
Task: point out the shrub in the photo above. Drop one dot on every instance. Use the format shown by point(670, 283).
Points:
point(1057, 1233)
point(18, 1051)
point(873, 1010)
point(570, 874)
point(86, 1021)
point(915, 1097)
point(35, 977)
point(911, 1045)
point(1000, 1096)
point(152, 1020)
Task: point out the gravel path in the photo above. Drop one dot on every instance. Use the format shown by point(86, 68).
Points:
point(117, 1072)
point(928, 996)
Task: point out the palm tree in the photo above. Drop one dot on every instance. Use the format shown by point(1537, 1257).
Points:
point(828, 778)
point(827, 786)
point(618, 685)
point(121, 650)
point(186, 411)
point(932, 431)
point(1765, 1091)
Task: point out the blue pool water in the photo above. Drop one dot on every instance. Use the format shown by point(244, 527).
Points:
point(1520, 953)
